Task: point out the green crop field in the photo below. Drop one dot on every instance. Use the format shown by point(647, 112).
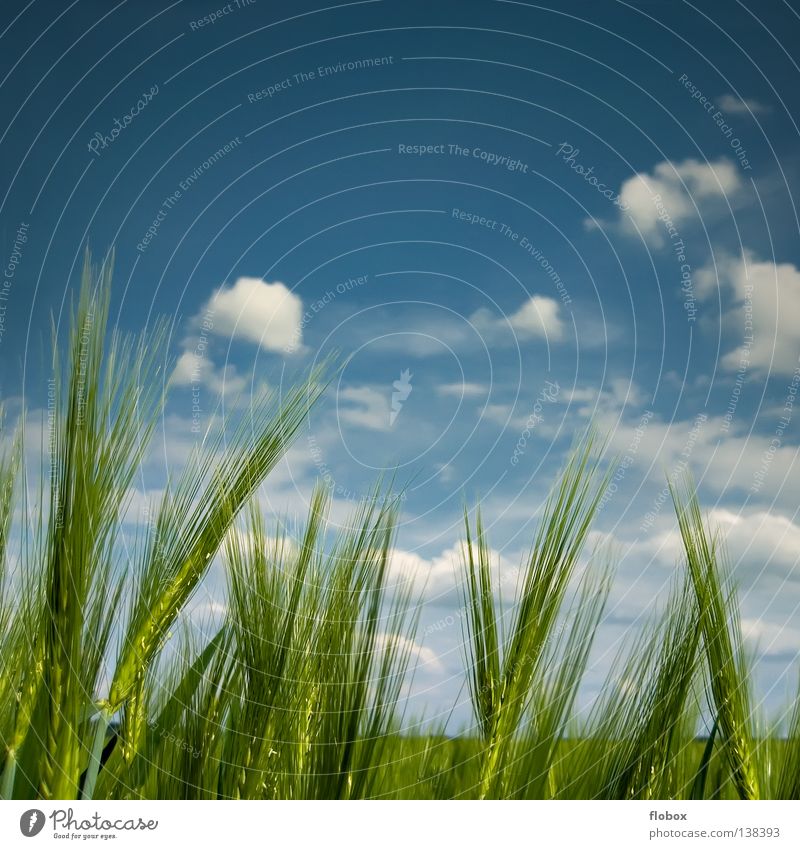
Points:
point(299, 694)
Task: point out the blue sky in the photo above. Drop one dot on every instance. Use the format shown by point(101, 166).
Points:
point(514, 218)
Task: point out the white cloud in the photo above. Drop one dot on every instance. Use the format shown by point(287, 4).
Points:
point(538, 318)
point(770, 638)
point(673, 190)
point(188, 368)
point(253, 310)
point(415, 334)
point(605, 404)
point(446, 472)
point(462, 389)
point(419, 655)
point(192, 369)
point(762, 558)
point(723, 453)
point(760, 544)
point(365, 406)
point(766, 305)
point(741, 106)
point(502, 414)
point(439, 577)
point(141, 507)
point(613, 396)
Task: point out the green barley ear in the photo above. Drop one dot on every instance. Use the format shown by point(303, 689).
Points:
point(105, 399)
point(11, 635)
point(22, 605)
point(194, 518)
point(361, 650)
point(701, 776)
point(729, 690)
point(649, 718)
point(559, 541)
point(532, 771)
point(788, 779)
point(320, 654)
point(9, 472)
point(270, 581)
point(480, 631)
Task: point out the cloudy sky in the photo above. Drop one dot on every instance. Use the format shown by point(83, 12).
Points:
point(513, 218)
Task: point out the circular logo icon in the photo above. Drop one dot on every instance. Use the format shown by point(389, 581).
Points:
point(31, 822)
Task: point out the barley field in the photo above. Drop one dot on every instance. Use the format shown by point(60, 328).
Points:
point(299, 693)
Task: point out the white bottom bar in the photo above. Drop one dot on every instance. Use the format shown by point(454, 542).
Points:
point(353, 825)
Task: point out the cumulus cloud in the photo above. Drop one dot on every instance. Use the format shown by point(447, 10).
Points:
point(735, 105)
point(252, 310)
point(420, 656)
point(538, 318)
point(439, 577)
point(193, 369)
point(673, 190)
point(141, 506)
point(762, 558)
point(613, 396)
point(462, 389)
point(723, 452)
point(268, 314)
point(365, 406)
point(771, 638)
point(607, 403)
point(766, 301)
point(761, 544)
